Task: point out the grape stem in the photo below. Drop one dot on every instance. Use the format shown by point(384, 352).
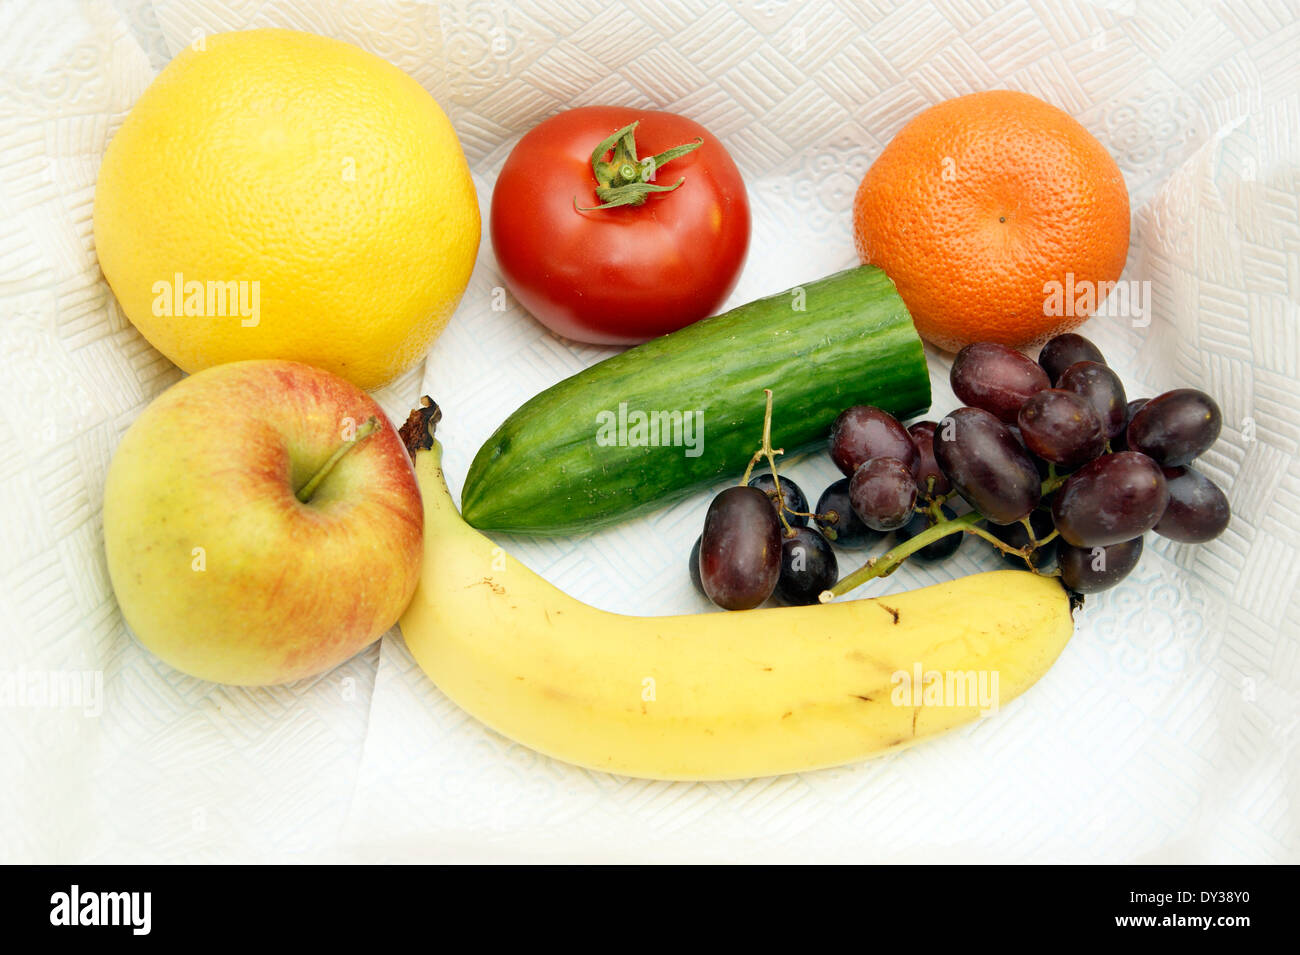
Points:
point(888, 562)
point(767, 451)
point(934, 509)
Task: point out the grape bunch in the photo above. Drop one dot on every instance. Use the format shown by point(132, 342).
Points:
point(757, 541)
point(892, 482)
point(1048, 461)
point(1053, 453)
point(761, 540)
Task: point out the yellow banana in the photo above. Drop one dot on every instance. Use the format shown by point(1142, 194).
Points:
point(717, 695)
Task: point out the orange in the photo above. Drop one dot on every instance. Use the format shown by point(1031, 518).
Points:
point(276, 194)
point(983, 209)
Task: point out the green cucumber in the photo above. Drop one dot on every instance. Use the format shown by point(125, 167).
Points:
point(577, 456)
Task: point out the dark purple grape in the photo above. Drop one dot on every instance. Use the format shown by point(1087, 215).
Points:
point(694, 564)
point(1040, 465)
point(987, 465)
point(1176, 428)
point(996, 378)
point(1063, 351)
point(1120, 441)
point(837, 520)
point(1015, 535)
point(1086, 570)
point(1062, 427)
point(883, 493)
point(923, 437)
point(791, 492)
point(1112, 499)
point(1197, 511)
point(808, 566)
point(1100, 386)
point(740, 549)
point(862, 432)
point(941, 549)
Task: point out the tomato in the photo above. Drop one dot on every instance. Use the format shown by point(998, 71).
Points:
point(625, 274)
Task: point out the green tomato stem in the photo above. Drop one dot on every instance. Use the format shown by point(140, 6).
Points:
point(625, 180)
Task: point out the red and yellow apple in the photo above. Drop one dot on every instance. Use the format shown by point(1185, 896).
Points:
point(262, 523)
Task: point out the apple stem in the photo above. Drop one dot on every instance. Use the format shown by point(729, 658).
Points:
point(305, 492)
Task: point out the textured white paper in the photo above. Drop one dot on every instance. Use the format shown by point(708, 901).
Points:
point(1167, 730)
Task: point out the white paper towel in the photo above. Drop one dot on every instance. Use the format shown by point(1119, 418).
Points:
point(1165, 732)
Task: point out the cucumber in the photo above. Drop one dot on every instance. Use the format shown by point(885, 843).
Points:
point(578, 456)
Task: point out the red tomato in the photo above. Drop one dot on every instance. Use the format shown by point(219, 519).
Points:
point(626, 274)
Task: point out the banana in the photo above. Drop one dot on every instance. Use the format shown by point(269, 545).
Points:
point(720, 695)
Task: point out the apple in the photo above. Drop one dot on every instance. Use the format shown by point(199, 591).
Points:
point(262, 523)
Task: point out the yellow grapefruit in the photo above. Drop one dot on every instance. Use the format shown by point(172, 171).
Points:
point(276, 194)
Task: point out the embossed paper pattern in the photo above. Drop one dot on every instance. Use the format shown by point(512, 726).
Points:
point(1165, 732)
